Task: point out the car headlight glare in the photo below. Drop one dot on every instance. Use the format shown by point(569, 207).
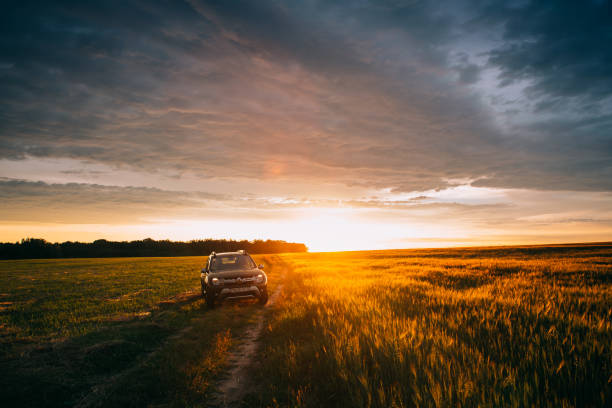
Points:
point(215, 281)
point(260, 278)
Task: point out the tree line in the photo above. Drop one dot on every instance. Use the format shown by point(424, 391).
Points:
point(36, 248)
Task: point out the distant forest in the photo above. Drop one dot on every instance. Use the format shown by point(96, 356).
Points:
point(34, 248)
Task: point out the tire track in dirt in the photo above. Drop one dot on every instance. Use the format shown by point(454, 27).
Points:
point(231, 388)
point(235, 383)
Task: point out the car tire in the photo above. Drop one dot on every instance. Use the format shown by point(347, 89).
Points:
point(210, 299)
point(263, 297)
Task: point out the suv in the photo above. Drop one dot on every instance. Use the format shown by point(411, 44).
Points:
point(233, 275)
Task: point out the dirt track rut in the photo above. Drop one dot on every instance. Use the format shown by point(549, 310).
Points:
point(234, 384)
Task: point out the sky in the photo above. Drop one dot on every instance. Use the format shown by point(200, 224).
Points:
point(341, 124)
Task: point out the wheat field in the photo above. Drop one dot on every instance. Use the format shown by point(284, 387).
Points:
point(486, 327)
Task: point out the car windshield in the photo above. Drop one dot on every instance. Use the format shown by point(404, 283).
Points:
point(227, 262)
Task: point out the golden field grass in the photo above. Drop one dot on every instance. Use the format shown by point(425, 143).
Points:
point(480, 327)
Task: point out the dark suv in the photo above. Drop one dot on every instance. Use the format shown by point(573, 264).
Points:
point(233, 275)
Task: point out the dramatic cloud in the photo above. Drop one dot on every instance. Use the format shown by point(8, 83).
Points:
point(366, 93)
point(26, 201)
point(559, 46)
point(310, 102)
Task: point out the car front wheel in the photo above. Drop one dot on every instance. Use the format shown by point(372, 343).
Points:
point(263, 297)
point(209, 296)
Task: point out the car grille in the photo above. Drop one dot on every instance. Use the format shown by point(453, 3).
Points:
point(239, 281)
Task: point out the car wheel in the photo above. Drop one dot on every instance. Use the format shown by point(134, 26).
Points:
point(263, 297)
point(209, 296)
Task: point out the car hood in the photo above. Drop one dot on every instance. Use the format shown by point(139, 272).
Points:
point(235, 273)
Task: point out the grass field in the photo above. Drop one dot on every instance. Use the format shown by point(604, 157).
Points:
point(111, 332)
point(489, 327)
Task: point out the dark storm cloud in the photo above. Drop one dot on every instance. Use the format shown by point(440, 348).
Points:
point(362, 93)
point(558, 50)
point(562, 47)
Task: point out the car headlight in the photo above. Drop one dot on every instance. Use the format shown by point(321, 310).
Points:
point(215, 281)
point(260, 278)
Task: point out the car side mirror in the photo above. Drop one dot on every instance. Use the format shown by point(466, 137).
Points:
point(261, 266)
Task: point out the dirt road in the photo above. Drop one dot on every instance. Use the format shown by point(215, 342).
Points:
point(234, 384)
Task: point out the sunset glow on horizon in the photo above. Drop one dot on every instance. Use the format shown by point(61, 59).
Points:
point(345, 126)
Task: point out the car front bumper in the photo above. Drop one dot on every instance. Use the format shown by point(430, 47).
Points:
point(240, 292)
